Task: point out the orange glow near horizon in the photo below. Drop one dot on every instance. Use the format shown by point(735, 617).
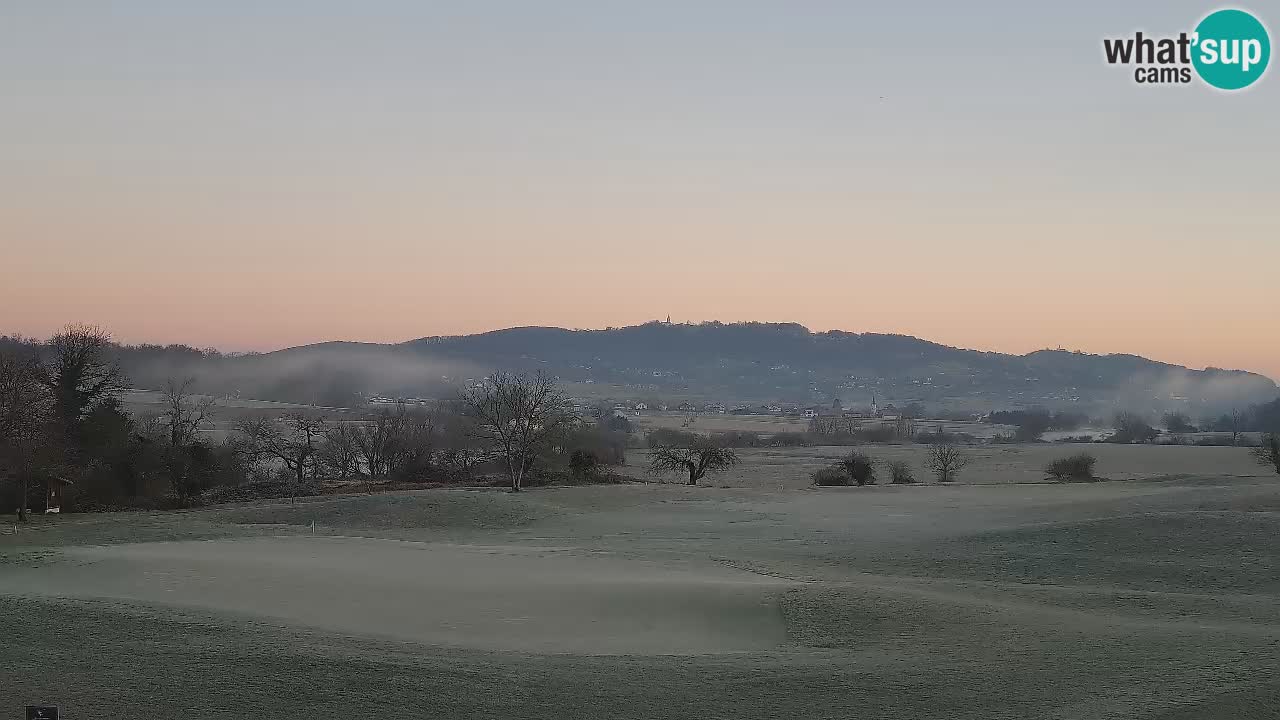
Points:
point(233, 179)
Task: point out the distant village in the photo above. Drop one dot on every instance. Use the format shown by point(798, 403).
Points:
point(593, 408)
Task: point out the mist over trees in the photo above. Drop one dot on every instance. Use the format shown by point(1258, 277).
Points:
point(67, 440)
point(1132, 427)
point(1033, 423)
point(1259, 417)
point(747, 360)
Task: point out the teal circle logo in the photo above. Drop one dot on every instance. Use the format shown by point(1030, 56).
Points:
point(1232, 49)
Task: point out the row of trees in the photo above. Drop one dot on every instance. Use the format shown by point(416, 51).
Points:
point(943, 460)
point(520, 421)
point(62, 424)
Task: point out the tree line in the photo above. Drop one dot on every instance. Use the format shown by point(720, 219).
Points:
point(64, 431)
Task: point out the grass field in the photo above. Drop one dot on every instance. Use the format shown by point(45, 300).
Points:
point(708, 423)
point(790, 468)
point(1149, 599)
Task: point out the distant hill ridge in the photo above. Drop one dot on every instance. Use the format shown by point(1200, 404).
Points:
point(729, 362)
point(768, 360)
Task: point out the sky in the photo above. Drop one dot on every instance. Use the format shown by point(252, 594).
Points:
point(259, 174)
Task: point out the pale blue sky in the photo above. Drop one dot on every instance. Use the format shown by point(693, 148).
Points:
point(250, 174)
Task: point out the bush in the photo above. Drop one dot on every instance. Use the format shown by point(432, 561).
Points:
point(833, 476)
point(1268, 451)
point(900, 473)
point(1072, 467)
point(584, 465)
point(860, 468)
point(1132, 428)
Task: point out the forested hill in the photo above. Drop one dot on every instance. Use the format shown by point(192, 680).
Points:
point(786, 361)
point(729, 363)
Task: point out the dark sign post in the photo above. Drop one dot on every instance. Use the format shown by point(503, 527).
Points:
point(42, 712)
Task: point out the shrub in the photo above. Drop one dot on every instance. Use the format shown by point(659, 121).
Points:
point(833, 476)
point(583, 465)
point(1268, 451)
point(860, 467)
point(1072, 467)
point(900, 473)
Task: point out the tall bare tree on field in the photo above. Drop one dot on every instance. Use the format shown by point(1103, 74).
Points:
point(519, 415)
point(945, 461)
point(184, 411)
point(339, 451)
point(293, 442)
point(460, 448)
point(25, 413)
point(395, 443)
point(697, 456)
point(1268, 451)
point(79, 374)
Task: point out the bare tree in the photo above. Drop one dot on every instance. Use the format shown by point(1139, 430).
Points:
point(518, 415)
point(184, 411)
point(294, 442)
point(374, 440)
point(697, 457)
point(1132, 427)
point(945, 461)
point(413, 448)
point(339, 451)
point(395, 443)
point(79, 374)
point(182, 416)
point(1268, 451)
point(25, 412)
point(461, 450)
point(1235, 427)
